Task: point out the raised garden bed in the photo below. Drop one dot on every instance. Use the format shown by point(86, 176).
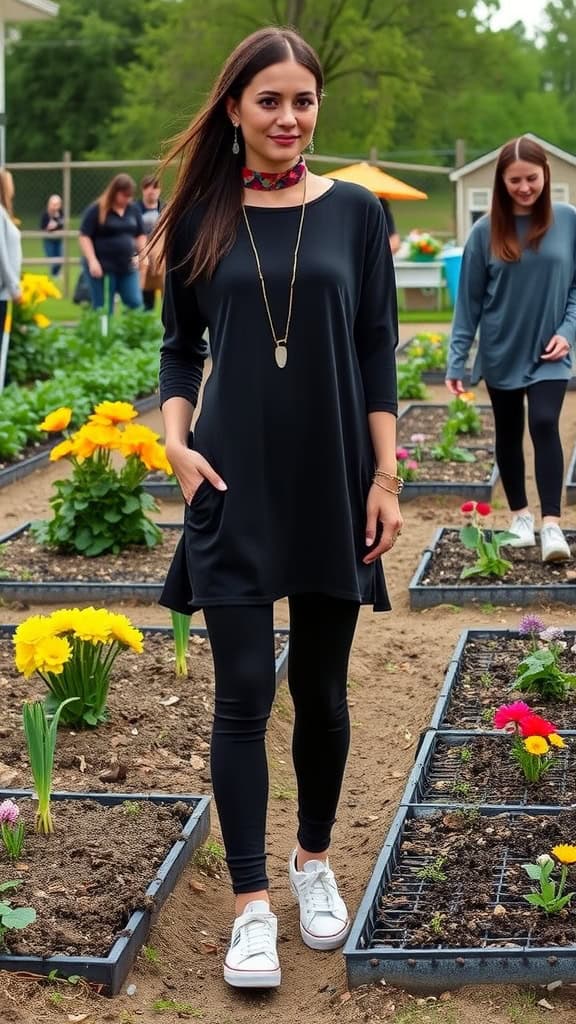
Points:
point(428, 418)
point(479, 769)
point(480, 677)
point(472, 480)
point(31, 572)
point(529, 582)
point(156, 736)
point(427, 934)
point(37, 456)
point(99, 881)
point(570, 481)
point(162, 487)
point(428, 376)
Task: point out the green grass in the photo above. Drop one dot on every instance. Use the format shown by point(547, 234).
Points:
point(425, 316)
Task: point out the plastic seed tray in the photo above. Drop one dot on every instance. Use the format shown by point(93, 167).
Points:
point(570, 481)
point(108, 973)
point(436, 779)
point(378, 946)
point(472, 712)
point(423, 595)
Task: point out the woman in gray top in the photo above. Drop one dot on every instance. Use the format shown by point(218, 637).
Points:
point(518, 285)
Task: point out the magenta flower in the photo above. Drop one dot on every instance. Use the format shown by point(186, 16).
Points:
point(402, 453)
point(511, 713)
point(9, 812)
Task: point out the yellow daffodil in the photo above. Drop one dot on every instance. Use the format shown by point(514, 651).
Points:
point(57, 421)
point(32, 630)
point(536, 745)
point(93, 624)
point(565, 853)
point(113, 412)
point(60, 451)
point(122, 630)
point(41, 320)
point(52, 654)
point(556, 740)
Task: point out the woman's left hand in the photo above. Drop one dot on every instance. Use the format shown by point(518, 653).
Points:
point(381, 507)
point(557, 348)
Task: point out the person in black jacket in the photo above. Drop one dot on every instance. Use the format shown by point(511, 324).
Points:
point(52, 220)
point(112, 237)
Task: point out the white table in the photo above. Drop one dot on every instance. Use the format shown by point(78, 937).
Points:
point(420, 274)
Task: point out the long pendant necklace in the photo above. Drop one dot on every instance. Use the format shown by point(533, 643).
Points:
point(280, 344)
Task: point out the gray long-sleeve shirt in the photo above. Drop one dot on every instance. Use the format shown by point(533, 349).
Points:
point(517, 306)
point(10, 257)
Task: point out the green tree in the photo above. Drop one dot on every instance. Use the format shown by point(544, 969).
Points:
point(559, 52)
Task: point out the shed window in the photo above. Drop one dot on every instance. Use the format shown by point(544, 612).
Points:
point(479, 199)
point(560, 193)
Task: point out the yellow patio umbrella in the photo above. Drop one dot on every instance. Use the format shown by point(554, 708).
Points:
point(377, 181)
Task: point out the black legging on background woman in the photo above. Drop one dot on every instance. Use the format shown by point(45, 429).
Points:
point(545, 400)
point(242, 640)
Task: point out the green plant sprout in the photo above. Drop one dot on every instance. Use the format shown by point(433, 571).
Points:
point(40, 733)
point(433, 872)
point(181, 633)
point(210, 857)
point(13, 917)
point(550, 896)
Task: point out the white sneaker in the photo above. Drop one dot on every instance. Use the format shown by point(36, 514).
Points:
point(252, 960)
point(523, 526)
point(324, 921)
point(554, 544)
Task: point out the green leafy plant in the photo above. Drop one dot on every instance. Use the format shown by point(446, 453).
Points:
point(100, 508)
point(535, 741)
point(428, 350)
point(181, 633)
point(11, 829)
point(407, 467)
point(447, 450)
point(410, 383)
point(13, 917)
point(437, 922)
point(40, 736)
point(73, 651)
point(210, 857)
point(550, 895)
point(433, 872)
point(464, 754)
point(540, 673)
point(150, 954)
point(463, 414)
point(485, 543)
point(461, 788)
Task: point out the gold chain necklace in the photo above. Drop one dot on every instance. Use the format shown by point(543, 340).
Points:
point(280, 344)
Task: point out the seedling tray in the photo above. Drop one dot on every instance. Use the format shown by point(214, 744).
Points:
point(428, 376)
point(109, 973)
point(378, 945)
point(440, 776)
point(570, 481)
point(473, 491)
point(428, 595)
point(476, 705)
point(162, 487)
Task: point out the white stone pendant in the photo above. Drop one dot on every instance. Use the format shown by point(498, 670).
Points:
point(281, 354)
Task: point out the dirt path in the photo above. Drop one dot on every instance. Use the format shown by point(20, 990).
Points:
point(396, 671)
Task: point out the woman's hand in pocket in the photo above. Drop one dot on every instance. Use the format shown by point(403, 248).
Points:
point(191, 469)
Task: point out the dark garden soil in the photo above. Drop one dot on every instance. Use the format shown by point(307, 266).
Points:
point(477, 862)
point(156, 737)
point(450, 557)
point(480, 471)
point(485, 678)
point(87, 878)
point(423, 419)
point(483, 771)
point(27, 453)
point(22, 558)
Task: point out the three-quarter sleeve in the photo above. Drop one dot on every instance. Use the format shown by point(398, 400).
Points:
point(469, 302)
point(183, 349)
point(376, 323)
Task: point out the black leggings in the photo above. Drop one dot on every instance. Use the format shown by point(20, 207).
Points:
point(544, 406)
point(242, 640)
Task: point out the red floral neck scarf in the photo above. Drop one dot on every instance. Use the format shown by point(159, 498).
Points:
point(265, 181)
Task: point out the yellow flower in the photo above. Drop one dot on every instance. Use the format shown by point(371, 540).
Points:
point(64, 620)
point(416, 350)
point(8, 323)
point(57, 421)
point(27, 637)
point(93, 624)
point(122, 630)
point(52, 654)
point(113, 412)
point(564, 853)
point(60, 451)
point(92, 436)
point(556, 740)
point(154, 457)
point(536, 745)
point(468, 396)
point(41, 320)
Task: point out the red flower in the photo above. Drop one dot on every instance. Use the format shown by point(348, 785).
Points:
point(534, 725)
point(515, 712)
point(468, 506)
point(483, 509)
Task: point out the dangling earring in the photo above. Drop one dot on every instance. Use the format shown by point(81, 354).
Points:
point(235, 144)
point(311, 145)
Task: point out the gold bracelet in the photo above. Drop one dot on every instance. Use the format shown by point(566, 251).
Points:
point(389, 489)
point(389, 476)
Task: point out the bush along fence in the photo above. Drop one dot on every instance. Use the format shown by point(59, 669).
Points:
point(476, 879)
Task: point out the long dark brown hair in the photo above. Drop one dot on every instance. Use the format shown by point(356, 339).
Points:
point(119, 183)
point(504, 237)
point(209, 172)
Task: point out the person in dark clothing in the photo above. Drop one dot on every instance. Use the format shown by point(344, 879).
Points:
point(52, 220)
point(290, 480)
point(111, 238)
point(150, 206)
point(393, 235)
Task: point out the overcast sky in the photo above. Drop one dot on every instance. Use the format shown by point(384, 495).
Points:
point(528, 11)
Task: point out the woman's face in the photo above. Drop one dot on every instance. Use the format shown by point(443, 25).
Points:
point(277, 114)
point(524, 183)
point(121, 200)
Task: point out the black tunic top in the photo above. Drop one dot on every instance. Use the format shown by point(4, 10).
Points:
point(292, 444)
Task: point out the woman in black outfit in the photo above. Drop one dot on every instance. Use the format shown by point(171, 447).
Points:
point(290, 480)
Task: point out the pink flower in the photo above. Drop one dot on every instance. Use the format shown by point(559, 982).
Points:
point(507, 713)
point(9, 812)
point(402, 453)
point(418, 438)
point(411, 464)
